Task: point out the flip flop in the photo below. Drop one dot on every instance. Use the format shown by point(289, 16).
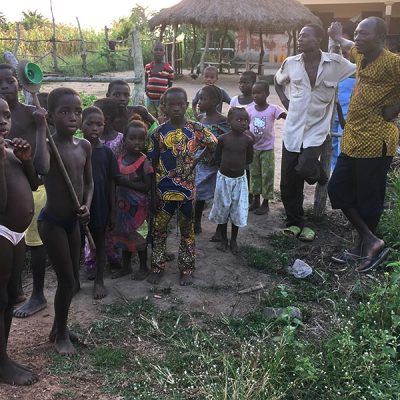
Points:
point(292, 231)
point(307, 235)
point(374, 261)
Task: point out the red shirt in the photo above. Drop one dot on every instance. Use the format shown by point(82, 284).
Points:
point(158, 82)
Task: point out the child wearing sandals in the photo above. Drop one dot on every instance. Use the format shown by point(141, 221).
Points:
point(133, 200)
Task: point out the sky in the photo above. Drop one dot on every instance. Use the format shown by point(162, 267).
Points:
point(91, 13)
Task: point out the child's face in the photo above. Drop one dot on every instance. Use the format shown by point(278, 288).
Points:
point(134, 140)
point(158, 53)
point(245, 85)
point(67, 116)
point(175, 105)
point(259, 94)
point(93, 127)
point(121, 94)
point(8, 85)
point(205, 101)
point(210, 77)
point(5, 119)
point(239, 121)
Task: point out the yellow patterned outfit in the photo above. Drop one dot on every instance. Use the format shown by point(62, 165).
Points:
point(369, 142)
point(173, 153)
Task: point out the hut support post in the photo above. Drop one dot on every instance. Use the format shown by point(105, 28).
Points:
point(138, 89)
point(248, 38)
point(162, 29)
point(261, 59)
point(173, 53)
point(83, 48)
point(53, 39)
point(192, 66)
point(289, 43)
point(294, 42)
point(221, 48)
point(203, 56)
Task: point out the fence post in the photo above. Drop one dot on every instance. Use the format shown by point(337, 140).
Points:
point(83, 48)
point(138, 88)
point(53, 40)
point(18, 39)
point(107, 46)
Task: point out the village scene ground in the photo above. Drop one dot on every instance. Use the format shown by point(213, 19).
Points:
point(128, 336)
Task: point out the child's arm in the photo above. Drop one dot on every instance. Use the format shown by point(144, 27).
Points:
point(218, 152)
point(208, 139)
point(249, 152)
point(282, 115)
point(41, 159)
point(142, 185)
point(88, 186)
point(3, 183)
point(195, 101)
point(225, 97)
point(23, 151)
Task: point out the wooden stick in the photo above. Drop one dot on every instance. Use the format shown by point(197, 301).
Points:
point(260, 286)
point(64, 173)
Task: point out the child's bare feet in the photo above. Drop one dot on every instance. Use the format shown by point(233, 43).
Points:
point(121, 272)
point(20, 298)
point(234, 247)
point(254, 205)
point(12, 374)
point(263, 209)
point(64, 346)
point(223, 246)
point(72, 336)
point(35, 304)
point(91, 275)
point(186, 277)
point(99, 291)
point(197, 229)
point(155, 275)
point(140, 274)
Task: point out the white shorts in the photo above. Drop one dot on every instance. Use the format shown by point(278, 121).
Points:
point(231, 201)
point(13, 237)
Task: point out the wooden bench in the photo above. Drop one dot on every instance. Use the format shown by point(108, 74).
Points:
point(218, 65)
point(242, 64)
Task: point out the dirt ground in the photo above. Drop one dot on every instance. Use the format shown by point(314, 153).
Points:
point(217, 280)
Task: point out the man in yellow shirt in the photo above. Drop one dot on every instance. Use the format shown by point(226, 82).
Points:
point(370, 137)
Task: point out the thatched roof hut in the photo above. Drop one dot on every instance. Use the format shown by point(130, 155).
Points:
point(254, 15)
point(263, 16)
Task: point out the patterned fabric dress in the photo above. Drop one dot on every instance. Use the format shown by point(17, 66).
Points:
point(132, 209)
point(206, 174)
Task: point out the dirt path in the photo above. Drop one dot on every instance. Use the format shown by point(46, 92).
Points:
point(218, 278)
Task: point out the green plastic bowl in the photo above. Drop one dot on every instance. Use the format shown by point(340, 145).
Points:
point(33, 73)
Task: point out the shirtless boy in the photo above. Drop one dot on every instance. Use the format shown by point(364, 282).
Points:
point(59, 220)
point(17, 180)
point(234, 151)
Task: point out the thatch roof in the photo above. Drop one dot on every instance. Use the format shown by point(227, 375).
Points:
point(256, 15)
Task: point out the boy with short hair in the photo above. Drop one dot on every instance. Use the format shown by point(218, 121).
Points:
point(59, 219)
point(120, 91)
point(210, 77)
point(246, 82)
point(234, 151)
point(159, 76)
point(17, 180)
point(172, 151)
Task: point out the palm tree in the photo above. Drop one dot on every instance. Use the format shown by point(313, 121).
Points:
point(3, 19)
point(33, 19)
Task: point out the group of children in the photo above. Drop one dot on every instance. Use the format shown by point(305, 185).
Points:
point(130, 175)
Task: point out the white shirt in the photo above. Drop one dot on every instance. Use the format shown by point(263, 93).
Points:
point(235, 103)
point(310, 109)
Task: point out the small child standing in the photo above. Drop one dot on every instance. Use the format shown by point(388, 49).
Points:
point(262, 169)
point(173, 148)
point(246, 82)
point(59, 219)
point(231, 201)
point(159, 76)
point(206, 168)
point(132, 200)
point(120, 91)
point(210, 77)
point(17, 180)
point(105, 171)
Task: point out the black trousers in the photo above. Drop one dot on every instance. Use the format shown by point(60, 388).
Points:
point(296, 169)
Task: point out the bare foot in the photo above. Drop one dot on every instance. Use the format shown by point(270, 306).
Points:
point(197, 229)
point(32, 306)
point(370, 251)
point(223, 246)
point(64, 346)
point(155, 276)
point(20, 298)
point(12, 374)
point(186, 278)
point(254, 205)
point(72, 336)
point(262, 210)
point(121, 272)
point(234, 247)
point(169, 257)
point(140, 274)
point(216, 238)
point(99, 291)
point(91, 275)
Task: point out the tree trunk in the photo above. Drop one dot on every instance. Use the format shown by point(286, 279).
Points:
point(173, 52)
point(192, 66)
point(248, 38)
point(261, 59)
point(139, 89)
point(221, 48)
point(203, 56)
point(83, 48)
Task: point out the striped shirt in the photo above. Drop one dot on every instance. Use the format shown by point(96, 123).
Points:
point(158, 82)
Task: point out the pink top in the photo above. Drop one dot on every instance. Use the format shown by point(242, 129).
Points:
point(262, 125)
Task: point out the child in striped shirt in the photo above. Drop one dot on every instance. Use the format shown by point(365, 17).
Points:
point(159, 76)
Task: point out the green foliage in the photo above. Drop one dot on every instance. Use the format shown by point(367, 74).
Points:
point(33, 19)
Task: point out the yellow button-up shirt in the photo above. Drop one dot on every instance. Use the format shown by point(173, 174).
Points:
point(377, 85)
